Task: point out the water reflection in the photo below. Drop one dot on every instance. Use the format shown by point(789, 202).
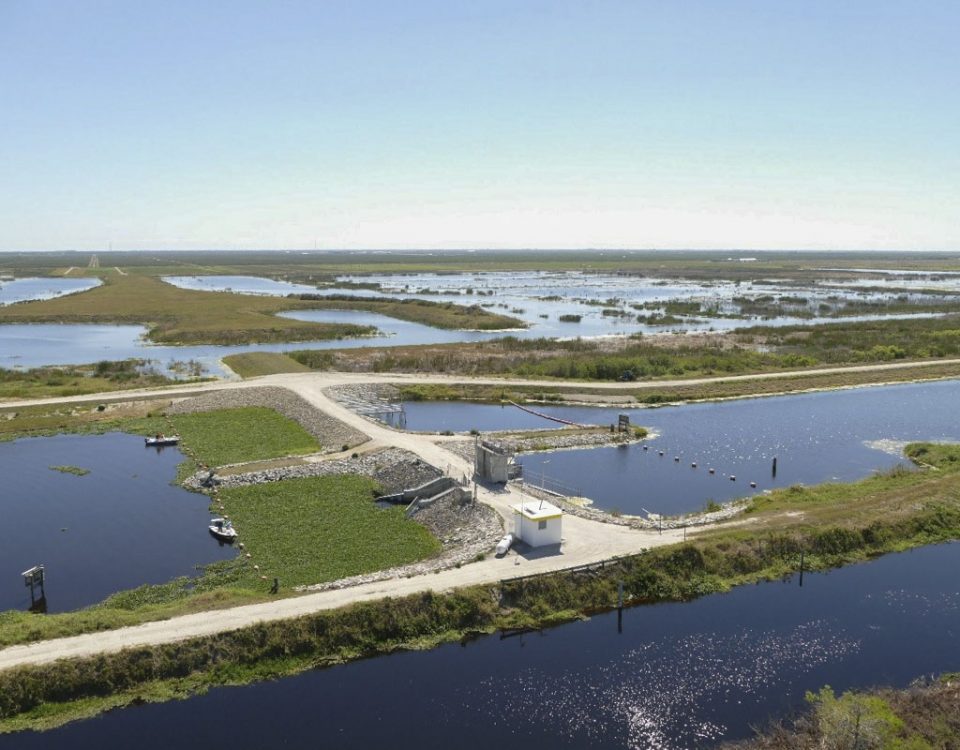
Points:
point(23, 290)
point(679, 676)
point(121, 525)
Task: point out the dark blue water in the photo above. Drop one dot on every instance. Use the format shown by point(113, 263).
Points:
point(679, 676)
point(120, 526)
point(816, 437)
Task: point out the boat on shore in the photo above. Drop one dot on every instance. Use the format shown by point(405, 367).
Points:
point(222, 529)
point(161, 439)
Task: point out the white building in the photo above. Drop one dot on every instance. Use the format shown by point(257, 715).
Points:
point(537, 522)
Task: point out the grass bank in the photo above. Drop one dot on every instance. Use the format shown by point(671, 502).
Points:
point(636, 358)
point(653, 394)
point(232, 436)
point(79, 418)
point(837, 524)
point(51, 382)
point(214, 438)
point(254, 364)
point(320, 529)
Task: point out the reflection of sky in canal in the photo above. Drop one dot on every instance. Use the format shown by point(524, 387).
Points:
point(678, 676)
point(654, 692)
point(21, 290)
point(816, 437)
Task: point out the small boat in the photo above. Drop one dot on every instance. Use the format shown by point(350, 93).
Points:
point(222, 529)
point(503, 546)
point(162, 439)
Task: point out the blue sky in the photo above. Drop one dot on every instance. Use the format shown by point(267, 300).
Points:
point(714, 124)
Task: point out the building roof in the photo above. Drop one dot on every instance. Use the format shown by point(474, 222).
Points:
point(537, 510)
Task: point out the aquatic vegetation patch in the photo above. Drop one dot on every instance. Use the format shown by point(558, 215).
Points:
point(307, 531)
point(77, 471)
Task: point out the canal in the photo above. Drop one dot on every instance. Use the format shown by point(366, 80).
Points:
point(678, 676)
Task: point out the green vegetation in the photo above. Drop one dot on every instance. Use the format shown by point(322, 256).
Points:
point(578, 359)
point(95, 419)
point(77, 471)
point(569, 318)
point(940, 455)
point(871, 341)
point(253, 364)
point(427, 312)
point(324, 528)
point(749, 351)
point(656, 319)
point(231, 436)
point(921, 717)
point(214, 438)
point(218, 587)
point(46, 382)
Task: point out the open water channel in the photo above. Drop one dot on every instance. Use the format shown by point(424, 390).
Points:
point(816, 437)
point(31, 288)
point(120, 526)
point(678, 676)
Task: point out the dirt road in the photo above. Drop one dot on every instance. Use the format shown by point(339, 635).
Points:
point(346, 378)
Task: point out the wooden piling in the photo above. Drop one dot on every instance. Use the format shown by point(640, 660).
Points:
point(619, 606)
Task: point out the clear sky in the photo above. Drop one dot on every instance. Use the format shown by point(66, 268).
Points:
point(353, 124)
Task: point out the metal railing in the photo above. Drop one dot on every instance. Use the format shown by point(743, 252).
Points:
point(541, 481)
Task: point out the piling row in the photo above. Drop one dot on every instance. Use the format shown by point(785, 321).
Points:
point(712, 471)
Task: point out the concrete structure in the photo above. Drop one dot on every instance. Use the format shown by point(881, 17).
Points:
point(537, 523)
point(493, 463)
